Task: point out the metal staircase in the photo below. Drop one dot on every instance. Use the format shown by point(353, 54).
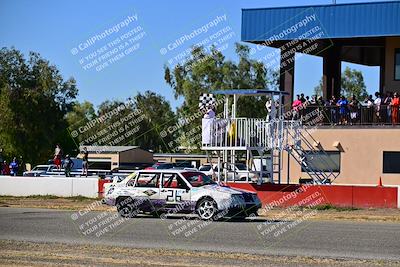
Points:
point(303, 151)
point(276, 166)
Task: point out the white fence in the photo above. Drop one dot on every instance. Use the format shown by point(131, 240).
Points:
point(245, 133)
point(57, 186)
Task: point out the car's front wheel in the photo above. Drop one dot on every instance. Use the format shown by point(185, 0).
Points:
point(206, 208)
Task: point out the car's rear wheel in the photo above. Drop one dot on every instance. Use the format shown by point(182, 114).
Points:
point(126, 207)
point(206, 208)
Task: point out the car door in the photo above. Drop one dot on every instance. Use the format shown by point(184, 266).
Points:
point(148, 183)
point(174, 190)
point(145, 189)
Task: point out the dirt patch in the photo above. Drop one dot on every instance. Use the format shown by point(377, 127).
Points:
point(18, 253)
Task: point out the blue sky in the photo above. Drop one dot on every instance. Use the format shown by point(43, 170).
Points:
point(55, 28)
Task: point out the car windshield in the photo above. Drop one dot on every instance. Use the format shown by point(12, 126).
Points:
point(241, 167)
point(197, 179)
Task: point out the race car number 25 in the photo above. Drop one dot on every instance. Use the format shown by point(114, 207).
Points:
point(173, 196)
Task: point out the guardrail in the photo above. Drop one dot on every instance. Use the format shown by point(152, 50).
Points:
point(362, 115)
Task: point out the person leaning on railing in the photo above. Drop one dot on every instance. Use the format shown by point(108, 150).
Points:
point(342, 104)
point(354, 107)
point(395, 103)
point(386, 102)
point(332, 104)
point(367, 111)
point(296, 106)
point(377, 106)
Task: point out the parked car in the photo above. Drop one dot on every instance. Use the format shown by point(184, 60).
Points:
point(39, 170)
point(236, 172)
point(161, 165)
point(171, 165)
point(178, 191)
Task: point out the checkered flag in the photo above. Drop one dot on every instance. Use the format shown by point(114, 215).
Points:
point(206, 100)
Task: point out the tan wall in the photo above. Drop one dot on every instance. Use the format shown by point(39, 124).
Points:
point(362, 157)
point(390, 84)
point(136, 155)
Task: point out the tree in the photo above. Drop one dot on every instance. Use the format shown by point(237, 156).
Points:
point(80, 116)
point(353, 84)
point(34, 99)
point(203, 72)
point(158, 116)
point(137, 121)
point(318, 88)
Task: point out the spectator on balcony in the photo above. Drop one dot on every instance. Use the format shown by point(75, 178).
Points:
point(302, 99)
point(296, 108)
point(368, 109)
point(395, 104)
point(313, 100)
point(377, 107)
point(321, 109)
point(332, 106)
point(354, 107)
point(320, 101)
point(342, 104)
point(386, 102)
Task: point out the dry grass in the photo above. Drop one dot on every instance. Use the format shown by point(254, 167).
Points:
point(17, 253)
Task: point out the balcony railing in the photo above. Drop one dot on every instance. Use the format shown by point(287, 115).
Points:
point(334, 115)
point(243, 133)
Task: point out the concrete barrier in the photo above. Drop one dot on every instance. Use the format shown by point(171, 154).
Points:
point(269, 194)
point(336, 195)
point(57, 186)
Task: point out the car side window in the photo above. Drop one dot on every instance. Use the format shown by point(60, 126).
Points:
point(147, 180)
point(172, 180)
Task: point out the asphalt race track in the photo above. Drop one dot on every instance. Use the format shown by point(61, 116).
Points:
point(359, 240)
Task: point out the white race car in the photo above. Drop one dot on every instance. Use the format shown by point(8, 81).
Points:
point(179, 191)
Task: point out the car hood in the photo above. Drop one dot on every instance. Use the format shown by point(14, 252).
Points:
point(225, 189)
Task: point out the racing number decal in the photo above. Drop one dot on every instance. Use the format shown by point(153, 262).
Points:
point(172, 195)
